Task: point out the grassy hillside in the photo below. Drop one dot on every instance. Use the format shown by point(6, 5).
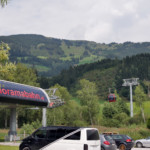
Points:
point(49, 55)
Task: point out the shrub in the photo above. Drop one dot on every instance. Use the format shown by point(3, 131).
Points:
point(137, 119)
point(36, 124)
point(111, 123)
point(122, 118)
point(27, 128)
point(79, 123)
point(143, 133)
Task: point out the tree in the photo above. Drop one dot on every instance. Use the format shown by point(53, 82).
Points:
point(116, 112)
point(3, 2)
point(56, 115)
point(140, 97)
point(62, 92)
point(73, 114)
point(120, 105)
point(25, 75)
point(89, 99)
point(18, 73)
point(147, 83)
point(7, 68)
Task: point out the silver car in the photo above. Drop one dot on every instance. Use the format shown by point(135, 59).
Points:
point(107, 143)
point(143, 142)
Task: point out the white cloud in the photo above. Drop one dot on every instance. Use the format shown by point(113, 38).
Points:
point(95, 20)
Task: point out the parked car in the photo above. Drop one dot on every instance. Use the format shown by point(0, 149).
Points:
point(62, 138)
point(107, 143)
point(143, 142)
point(123, 142)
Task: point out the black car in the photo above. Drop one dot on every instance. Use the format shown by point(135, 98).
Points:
point(123, 142)
point(44, 136)
point(76, 137)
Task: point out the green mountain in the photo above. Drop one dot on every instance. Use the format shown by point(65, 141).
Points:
point(49, 55)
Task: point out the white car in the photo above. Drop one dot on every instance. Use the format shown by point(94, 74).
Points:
point(88, 140)
point(143, 142)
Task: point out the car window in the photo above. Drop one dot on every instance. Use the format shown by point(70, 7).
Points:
point(92, 135)
point(60, 133)
point(40, 134)
point(128, 137)
point(51, 134)
point(75, 136)
point(117, 137)
point(108, 137)
point(148, 138)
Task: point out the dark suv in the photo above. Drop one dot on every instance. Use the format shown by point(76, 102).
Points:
point(62, 138)
point(123, 142)
point(46, 135)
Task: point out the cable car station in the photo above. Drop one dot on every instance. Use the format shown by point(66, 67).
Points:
point(14, 94)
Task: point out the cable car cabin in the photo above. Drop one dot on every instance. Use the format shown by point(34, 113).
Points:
point(111, 97)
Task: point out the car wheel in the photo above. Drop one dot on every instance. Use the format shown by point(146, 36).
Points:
point(26, 148)
point(122, 147)
point(102, 148)
point(139, 144)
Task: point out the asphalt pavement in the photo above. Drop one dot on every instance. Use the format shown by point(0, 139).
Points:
point(17, 144)
point(139, 148)
point(10, 143)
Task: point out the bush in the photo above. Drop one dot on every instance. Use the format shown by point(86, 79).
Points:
point(144, 133)
point(148, 123)
point(36, 124)
point(122, 118)
point(79, 123)
point(111, 123)
point(27, 128)
point(137, 119)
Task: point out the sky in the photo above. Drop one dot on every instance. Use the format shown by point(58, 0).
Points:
point(102, 21)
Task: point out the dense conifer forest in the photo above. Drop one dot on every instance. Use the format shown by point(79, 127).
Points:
point(108, 73)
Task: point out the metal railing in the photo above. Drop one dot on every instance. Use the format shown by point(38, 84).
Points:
point(14, 138)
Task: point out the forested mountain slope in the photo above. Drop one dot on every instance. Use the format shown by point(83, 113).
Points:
point(49, 55)
point(106, 74)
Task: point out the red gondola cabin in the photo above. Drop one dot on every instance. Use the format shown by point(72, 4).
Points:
point(111, 97)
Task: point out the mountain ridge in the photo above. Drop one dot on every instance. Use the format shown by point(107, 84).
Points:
point(51, 55)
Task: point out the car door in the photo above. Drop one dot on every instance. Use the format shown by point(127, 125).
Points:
point(147, 142)
point(39, 139)
point(118, 139)
point(51, 135)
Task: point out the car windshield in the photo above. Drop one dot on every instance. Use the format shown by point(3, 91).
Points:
point(117, 137)
point(92, 135)
point(128, 137)
point(108, 137)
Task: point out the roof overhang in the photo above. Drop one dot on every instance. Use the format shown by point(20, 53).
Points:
point(15, 93)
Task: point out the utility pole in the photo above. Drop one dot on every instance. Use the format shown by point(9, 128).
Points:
point(130, 82)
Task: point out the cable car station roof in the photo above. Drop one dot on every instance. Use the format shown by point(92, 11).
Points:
point(15, 93)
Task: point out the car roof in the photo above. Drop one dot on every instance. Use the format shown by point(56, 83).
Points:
point(59, 127)
point(65, 127)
